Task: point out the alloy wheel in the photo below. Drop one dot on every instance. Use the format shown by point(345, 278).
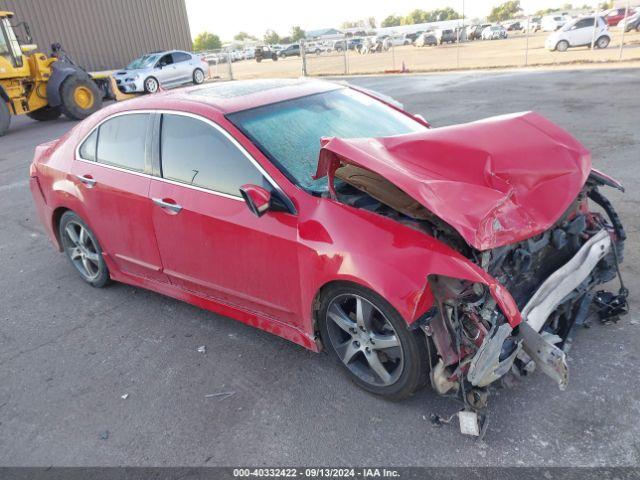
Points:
point(82, 250)
point(364, 340)
point(151, 85)
point(198, 76)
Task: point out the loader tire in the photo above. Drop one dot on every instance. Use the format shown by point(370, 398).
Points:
point(45, 114)
point(80, 97)
point(5, 117)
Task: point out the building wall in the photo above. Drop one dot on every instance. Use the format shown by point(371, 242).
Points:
point(104, 34)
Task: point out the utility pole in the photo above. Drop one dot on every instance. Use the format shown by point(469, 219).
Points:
point(626, 12)
point(526, 49)
point(458, 42)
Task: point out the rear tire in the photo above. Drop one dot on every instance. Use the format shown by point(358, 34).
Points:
point(80, 97)
point(198, 76)
point(602, 42)
point(562, 46)
point(45, 114)
point(405, 362)
point(5, 117)
point(83, 250)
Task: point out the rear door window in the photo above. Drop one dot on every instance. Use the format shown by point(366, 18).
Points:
point(195, 153)
point(180, 57)
point(88, 147)
point(122, 140)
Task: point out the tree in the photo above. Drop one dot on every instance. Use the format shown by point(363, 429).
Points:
point(442, 14)
point(271, 37)
point(416, 16)
point(242, 36)
point(206, 41)
point(297, 33)
point(391, 21)
point(371, 22)
point(606, 5)
point(505, 11)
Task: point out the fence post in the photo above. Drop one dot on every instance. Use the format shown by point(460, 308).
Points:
point(344, 55)
point(303, 54)
point(595, 26)
point(229, 63)
point(626, 12)
point(526, 48)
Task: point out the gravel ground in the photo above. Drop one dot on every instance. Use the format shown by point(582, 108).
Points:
point(68, 352)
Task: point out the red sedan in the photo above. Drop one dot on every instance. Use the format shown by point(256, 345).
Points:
point(615, 15)
point(331, 217)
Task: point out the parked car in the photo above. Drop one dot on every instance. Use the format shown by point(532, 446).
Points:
point(445, 35)
point(514, 26)
point(260, 53)
point(551, 23)
point(577, 33)
point(454, 250)
point(249, 53)
point(290, 51)
point(494, 32)
point(630, 23)
point(533, 25)
point(314, 47)
point(413, 36)
point(615, 15)
point(426, 39)
point(167, 69)
point(474, 32)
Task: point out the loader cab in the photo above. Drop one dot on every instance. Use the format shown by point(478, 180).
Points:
point(10, 51)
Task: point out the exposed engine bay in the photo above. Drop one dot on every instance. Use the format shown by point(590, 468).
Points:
point(551, 276)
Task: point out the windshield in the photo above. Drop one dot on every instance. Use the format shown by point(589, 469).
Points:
point(144, 61)
point(289, 132)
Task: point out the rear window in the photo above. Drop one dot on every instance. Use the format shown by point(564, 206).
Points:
point(121, 141)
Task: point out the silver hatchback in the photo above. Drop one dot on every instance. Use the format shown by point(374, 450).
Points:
point(166, 69)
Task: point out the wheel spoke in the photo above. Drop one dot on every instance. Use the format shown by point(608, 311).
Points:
point(86, 263)
point(380, 342)
point(93, 257)
point(340, 318)
point(84, 237)
point(346, 351)
point(364, 311)
point(71, 233)
point(377, 366)
point(74, 253)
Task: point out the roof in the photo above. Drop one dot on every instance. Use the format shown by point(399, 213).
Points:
point(244, 94)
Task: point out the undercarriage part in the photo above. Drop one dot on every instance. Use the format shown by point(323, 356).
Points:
point(610, 306)
point(492, 361)
point(440, 379)
point(564, 280)
point(549, 359)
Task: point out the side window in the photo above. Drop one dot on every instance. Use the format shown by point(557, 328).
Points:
point(121, 141)
point(88, 147)
point(195, 153)
point(165, 60)
point(180, 57)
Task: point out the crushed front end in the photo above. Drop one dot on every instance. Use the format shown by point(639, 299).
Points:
point(553, 278)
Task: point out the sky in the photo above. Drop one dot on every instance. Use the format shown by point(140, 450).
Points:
point(228, 17)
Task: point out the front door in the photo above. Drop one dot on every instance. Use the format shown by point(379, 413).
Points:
point(210, 243)
point(111, 173)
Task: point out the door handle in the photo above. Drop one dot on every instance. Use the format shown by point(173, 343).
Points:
point(162, 203)
point(87, 180)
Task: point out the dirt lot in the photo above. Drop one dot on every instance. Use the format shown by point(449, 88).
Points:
point(476, 54)
point(68, 352)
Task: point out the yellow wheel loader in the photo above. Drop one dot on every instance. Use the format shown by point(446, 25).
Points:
point(39, 86)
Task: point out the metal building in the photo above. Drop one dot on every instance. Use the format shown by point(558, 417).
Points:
point(104, 34)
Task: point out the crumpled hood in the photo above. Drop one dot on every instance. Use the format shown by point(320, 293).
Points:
point(496, 181)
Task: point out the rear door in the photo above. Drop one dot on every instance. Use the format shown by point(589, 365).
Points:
point(209, 241)
point(183, 66)
point(112, 173)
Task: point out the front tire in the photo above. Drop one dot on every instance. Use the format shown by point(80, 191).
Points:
point(369, 338)
point(80, 97)
point(5, 118)
point(562, 46)
point(151, 85)
point(198, 76)
point(45, 114)
point(83, 250)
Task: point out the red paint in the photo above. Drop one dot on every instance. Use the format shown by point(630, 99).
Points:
point(497, 181)
point(267, 271)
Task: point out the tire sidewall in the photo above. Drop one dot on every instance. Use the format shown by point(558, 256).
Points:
point(605, 39)
point(5, 117)
point(562, 49)
point(103, 277)
point(415, 359)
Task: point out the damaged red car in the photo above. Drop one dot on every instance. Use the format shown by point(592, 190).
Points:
point(329, 216)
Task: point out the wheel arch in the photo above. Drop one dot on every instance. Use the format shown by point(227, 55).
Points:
point(56, 215)
point(60, 71)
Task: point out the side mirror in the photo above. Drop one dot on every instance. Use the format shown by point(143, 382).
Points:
point(257, 198)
